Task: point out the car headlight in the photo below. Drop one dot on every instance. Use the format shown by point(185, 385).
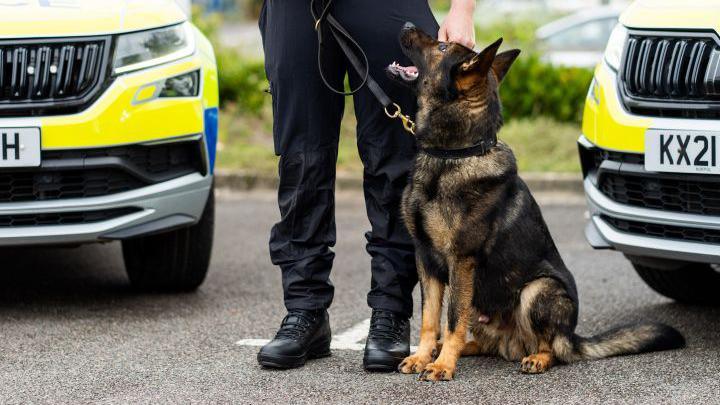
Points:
point(615, 46)
point(139, 50)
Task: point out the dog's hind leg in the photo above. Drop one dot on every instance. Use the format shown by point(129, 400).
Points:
point(545, 312)
point(459, 314)
point(471, 348)
point(539, 362)
point(432, 298)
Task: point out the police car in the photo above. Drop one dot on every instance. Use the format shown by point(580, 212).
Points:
point(650, 148)
point(108, 130)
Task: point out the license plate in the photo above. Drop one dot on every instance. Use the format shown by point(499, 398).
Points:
point(682, 151)
point(19, 147)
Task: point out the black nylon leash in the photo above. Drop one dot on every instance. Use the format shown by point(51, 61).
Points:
point(352, 49)
point(361, 65)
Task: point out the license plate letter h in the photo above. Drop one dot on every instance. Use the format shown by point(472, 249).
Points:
point(7, 146)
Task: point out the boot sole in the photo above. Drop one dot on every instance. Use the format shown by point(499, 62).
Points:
point(316, 351)
point(383, 363)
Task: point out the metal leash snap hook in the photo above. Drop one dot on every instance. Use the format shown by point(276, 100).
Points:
point(396, 113)
point(408, 124)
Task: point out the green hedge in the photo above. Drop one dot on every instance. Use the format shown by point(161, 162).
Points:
point(533, 88)
point(242, 81)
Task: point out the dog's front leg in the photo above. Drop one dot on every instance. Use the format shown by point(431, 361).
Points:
point(432, 297)
point(459, 310)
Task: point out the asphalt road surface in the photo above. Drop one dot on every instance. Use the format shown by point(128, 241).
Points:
point(73, 332)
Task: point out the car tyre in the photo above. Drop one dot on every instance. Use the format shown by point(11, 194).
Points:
point(692, 283)
point(174, 261)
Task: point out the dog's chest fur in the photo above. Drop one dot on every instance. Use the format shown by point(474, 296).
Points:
point(447, 204)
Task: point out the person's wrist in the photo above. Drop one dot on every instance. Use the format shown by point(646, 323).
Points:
point(466, 7)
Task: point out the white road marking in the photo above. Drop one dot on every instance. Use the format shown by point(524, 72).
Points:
point(352, 335)
point(333, 345)
point(349, 339)
point(252, 342)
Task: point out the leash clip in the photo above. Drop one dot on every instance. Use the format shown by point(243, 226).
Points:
point(407, 123)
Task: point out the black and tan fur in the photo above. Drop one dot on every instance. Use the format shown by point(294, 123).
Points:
point(479, 233)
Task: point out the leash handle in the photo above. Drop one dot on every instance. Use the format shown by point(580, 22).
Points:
point(362, 67)
point(345, 41)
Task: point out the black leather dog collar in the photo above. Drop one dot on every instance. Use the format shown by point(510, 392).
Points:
point(478, 149)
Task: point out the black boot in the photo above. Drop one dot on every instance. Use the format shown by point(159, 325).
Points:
point(388, 342)
point(303, 335)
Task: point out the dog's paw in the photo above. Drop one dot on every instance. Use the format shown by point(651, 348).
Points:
point(413, 364)
point(437, 372)
point(536, 363)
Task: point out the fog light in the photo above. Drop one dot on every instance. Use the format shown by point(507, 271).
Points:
point(185, 85)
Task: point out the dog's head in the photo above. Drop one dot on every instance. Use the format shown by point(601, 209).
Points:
point(456, 88)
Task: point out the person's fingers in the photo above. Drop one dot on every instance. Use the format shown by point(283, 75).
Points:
point(466, 40)
point(443, 34)
point(462, 40)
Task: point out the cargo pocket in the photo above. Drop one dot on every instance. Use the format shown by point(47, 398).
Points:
point(270, 70)
point(275, 129)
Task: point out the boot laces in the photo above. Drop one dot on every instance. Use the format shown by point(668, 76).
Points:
point(295, 325)
point(387, 325)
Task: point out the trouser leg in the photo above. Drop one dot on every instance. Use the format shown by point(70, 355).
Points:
point(387, 151)
point(306, 125)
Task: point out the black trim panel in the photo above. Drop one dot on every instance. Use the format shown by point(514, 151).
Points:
point(64, 218)
point(664, 231)
point(101, 171)
point(622, 178)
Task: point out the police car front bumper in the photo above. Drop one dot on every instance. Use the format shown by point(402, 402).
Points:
point(156, 208)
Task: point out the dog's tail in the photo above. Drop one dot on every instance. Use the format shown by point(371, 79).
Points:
point(630, 339)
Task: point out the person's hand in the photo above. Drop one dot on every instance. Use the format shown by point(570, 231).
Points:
point(458, 25)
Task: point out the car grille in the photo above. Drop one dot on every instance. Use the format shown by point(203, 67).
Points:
point(61, 184)
point(634, 158)
point(669, 194)
point(630, 184)
point(64, 218)
point(51, 76)
point(664, 231)
point(671, 74)
point(97, 172)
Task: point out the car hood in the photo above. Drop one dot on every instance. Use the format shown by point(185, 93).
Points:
point(54, 18)
point(673, 14)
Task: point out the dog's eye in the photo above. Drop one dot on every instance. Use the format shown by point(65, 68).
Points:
point(443, 46)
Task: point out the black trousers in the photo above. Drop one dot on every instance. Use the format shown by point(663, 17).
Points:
point(306, 127)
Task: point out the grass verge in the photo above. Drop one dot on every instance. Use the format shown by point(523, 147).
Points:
point(540, 144)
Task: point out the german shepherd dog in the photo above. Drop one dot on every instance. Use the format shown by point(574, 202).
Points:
point(479, 233)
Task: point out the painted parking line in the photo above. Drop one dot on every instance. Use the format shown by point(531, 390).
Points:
point(349, 339)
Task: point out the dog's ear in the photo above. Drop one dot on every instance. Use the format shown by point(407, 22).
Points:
point(471, 70)
point(503, 61)
point(481, 63)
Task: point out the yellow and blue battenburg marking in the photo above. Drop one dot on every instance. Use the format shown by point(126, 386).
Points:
point(211, 134)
